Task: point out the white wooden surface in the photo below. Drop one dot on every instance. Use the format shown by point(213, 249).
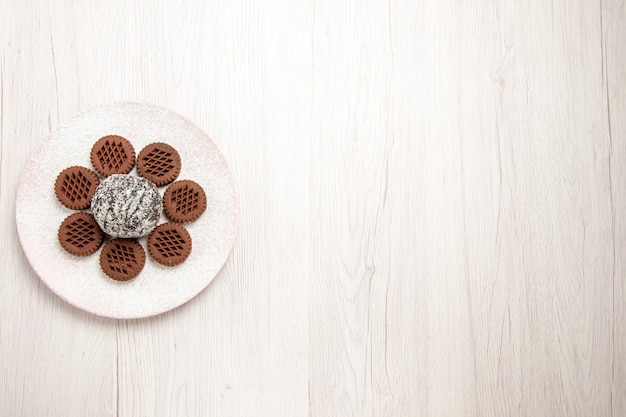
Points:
point(432, 207)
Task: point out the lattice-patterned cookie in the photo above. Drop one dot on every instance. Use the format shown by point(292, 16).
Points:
point(75, 187)
point(80, 235)
point(169, 244)
point(113, 155)
point(159, 163)
point(184, 201)
point(122, 259)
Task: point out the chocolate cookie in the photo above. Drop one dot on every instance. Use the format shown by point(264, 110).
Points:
point(122, 259)
point(75, 187)
point(159, 163)
point(113, 155)
point(80, 235)
point(169, 244)
point(184, 201)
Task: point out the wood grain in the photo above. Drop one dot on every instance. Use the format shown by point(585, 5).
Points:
point(431, 208)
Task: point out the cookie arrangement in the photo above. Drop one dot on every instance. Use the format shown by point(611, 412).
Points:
point(124, 207)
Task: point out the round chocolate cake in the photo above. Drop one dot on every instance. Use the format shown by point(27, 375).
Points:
point(126, 206)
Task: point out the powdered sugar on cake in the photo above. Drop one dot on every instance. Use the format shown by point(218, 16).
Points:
point(126, 206)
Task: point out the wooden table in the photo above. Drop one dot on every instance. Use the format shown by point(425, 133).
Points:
point(433, 207)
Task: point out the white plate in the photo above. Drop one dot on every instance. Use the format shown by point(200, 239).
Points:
point(156, 289)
